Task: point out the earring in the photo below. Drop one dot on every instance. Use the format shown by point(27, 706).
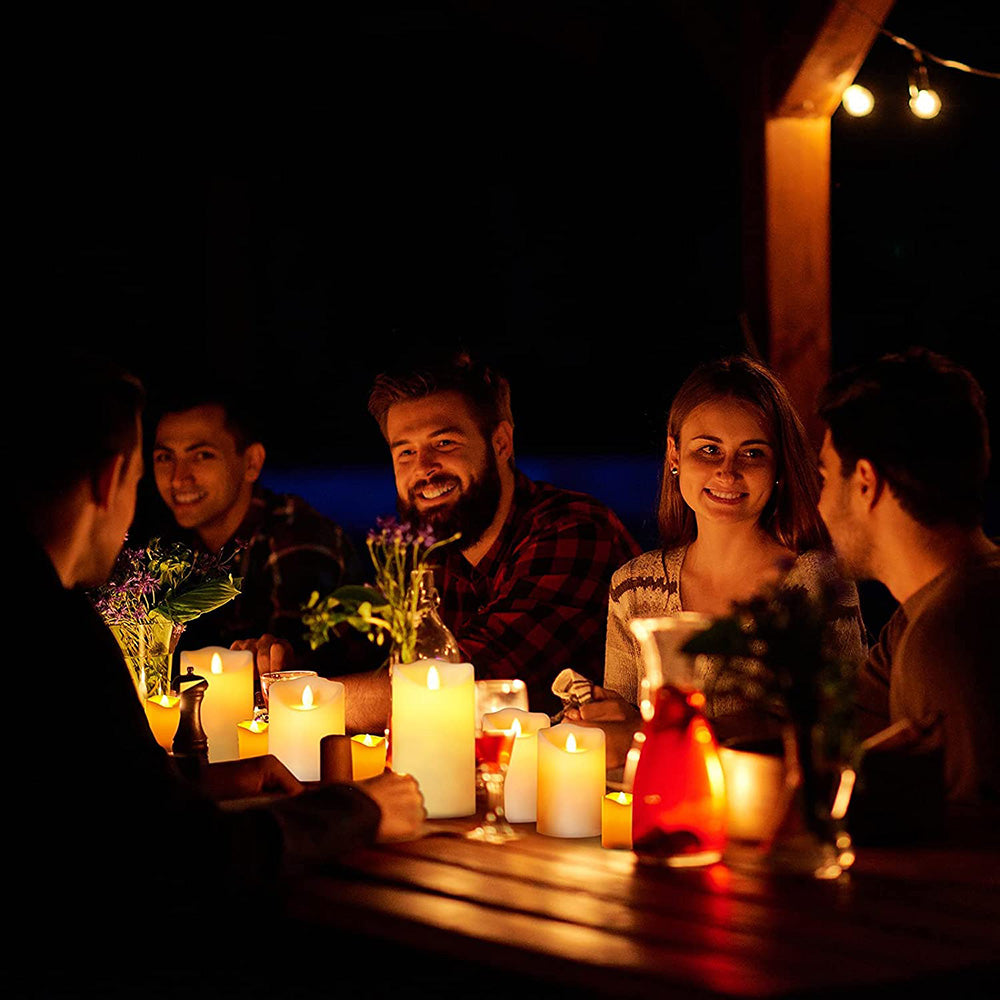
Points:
point(673, 471)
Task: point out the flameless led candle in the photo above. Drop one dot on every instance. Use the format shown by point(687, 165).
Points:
point(300, 713)
point(616, 820)
point(754, 787)
point(572, 777)
point(229, 698)
point(252, 738)
point(163, 714)
point(434, 733)
point(521, 785)
point(367, 756)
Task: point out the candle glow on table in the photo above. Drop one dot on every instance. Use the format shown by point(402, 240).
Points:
point(572, 778)
point(252, 737)
point(434, 733)
point(521, 786)
point(755, 785)
point(367, 756)
point(163, 713)
point(229, 698)
point(300, 713)
point(616, 820)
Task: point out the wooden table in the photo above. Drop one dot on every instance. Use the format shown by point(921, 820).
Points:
point(547, 917)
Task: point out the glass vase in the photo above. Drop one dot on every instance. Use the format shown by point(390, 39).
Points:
point(148, 648)
point(426, 636)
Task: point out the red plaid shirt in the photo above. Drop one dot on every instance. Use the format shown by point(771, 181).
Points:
point(537, 602)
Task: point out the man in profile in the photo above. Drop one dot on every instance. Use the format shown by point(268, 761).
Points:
point(904, 463)
point(207, 459)
point(525, 589)
point(120, 859)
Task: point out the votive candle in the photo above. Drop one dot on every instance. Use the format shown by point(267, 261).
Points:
point(163, 713)
point(252, 737)
point(616, 820)
point(367, 756)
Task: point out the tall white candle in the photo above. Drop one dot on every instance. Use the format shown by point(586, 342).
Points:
point(228, 699)
point(434, 733)
point(300, 713)
point(572, 778)
point(521, 784)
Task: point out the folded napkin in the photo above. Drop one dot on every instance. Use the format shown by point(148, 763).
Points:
point(572, 689)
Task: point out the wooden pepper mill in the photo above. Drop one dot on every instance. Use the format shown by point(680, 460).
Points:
point(190, 745)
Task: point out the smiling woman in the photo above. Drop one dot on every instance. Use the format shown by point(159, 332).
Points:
point(737, 514)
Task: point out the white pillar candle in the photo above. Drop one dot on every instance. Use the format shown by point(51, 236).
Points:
point(755, 783)
point(434, 733)
point(521, 784)
point(229, 698)
point(572, 778)
point(300, 713)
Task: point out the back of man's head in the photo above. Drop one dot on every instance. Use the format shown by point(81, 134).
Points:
point(920, 419)
point(83, 414)
point(486, 390)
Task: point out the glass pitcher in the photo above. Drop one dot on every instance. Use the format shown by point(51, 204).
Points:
point(678, 789)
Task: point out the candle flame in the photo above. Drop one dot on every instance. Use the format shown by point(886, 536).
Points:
point(163, 700)
point(622, 798)
point(571, 743)
point(433, 678)
point(255, 726)
point(307, 697)
point(368, 740)
point(216, 663)
point(516, 728)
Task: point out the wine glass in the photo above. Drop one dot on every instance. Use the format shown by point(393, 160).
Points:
point(493, 749)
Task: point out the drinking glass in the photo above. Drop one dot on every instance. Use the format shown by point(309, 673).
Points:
point(493, 749)
point(495, 693)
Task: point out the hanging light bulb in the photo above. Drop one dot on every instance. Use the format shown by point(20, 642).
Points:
point(857, 100)
point(924, 102)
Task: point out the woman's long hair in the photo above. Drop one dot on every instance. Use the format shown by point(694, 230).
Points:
point(790, 516)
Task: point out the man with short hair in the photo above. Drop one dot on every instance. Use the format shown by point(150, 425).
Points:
point(904, 463)
point(207, 459)
point(525, 589)
point(118, 855)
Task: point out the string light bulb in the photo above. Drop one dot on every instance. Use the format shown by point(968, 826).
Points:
point(924, 102)
point(858, 101)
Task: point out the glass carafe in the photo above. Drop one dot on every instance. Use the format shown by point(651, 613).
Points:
point(427, 638)
point(678, 789)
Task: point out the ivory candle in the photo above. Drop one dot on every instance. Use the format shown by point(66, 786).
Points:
point(252, 738)
point(367, 756)
point(434, 733)
point(616, 820)
point(163, 713)
point(754, 786)
point(300, 713)
point(521, 784)
point(228, 699)
point(572, 777)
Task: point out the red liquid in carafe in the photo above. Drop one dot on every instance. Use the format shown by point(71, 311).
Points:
point(679, 802)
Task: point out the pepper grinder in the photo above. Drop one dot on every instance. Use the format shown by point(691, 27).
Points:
point(190, 746)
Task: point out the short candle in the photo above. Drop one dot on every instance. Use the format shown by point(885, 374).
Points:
point(572, 779)
point(616, 820)
point(367, 756)
point(163, 713)
point(252, 735)
point(521, 786)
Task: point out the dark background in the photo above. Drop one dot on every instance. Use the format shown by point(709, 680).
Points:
point(291, 204)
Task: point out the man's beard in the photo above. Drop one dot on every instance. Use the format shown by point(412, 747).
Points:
point(471, 514)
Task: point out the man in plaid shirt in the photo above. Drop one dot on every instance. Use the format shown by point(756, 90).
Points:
point(525, 592)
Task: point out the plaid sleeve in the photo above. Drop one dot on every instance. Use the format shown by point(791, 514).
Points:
point(548, 608)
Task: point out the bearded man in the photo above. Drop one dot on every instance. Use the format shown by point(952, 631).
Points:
point(525, 588)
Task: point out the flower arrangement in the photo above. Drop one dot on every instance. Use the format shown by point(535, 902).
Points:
point(149, 597)
point(400, 553)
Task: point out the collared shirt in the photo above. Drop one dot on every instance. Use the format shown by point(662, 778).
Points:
point(537, 602)
point(290, 551)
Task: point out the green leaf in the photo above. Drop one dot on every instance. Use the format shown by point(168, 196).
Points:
point(197, 601)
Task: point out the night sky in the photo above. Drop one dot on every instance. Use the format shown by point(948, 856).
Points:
point(290, 204)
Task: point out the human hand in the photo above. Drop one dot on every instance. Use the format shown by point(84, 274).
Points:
point(241, 779)
point(269, 652)
point(402, 805)
point(605, 706)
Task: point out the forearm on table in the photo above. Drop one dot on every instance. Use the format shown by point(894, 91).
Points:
point(367, 698)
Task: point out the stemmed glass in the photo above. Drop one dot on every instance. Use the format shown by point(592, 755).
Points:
point(493, 749)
